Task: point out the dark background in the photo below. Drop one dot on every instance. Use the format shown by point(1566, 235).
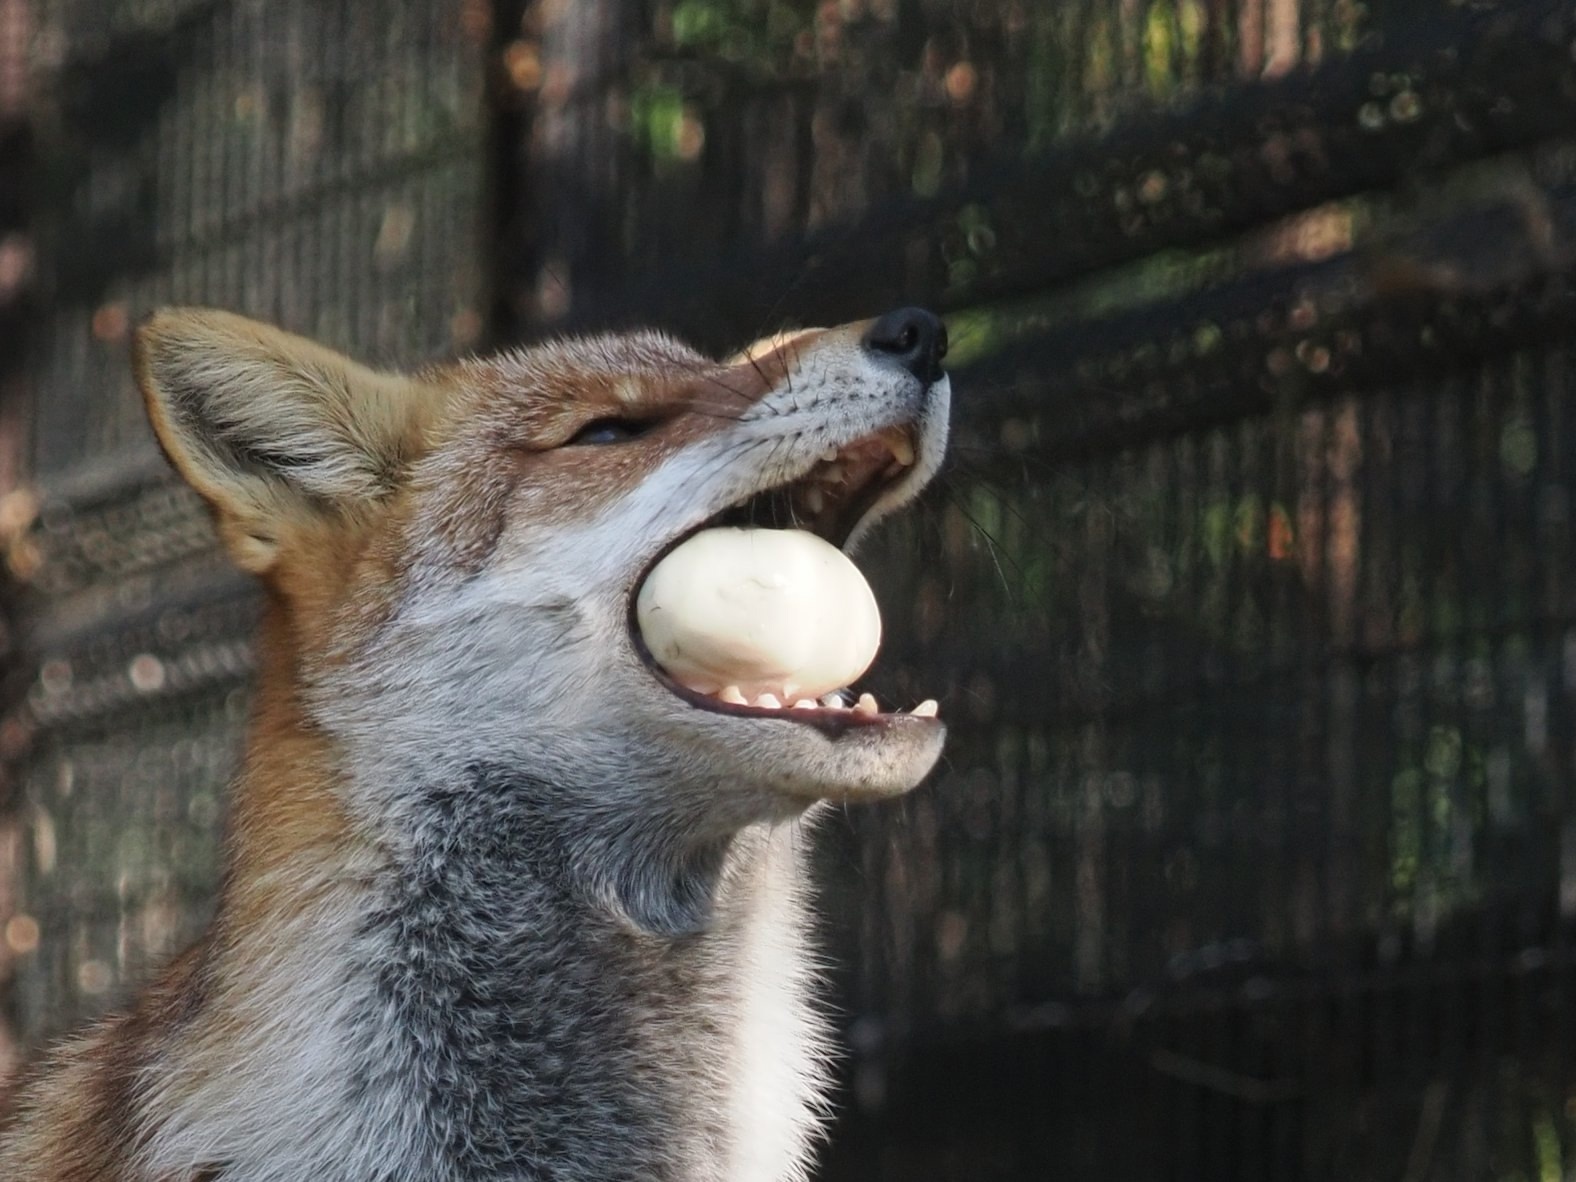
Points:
point(1249, 592)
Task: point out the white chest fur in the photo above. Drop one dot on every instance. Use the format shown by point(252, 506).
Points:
point(777, 1090)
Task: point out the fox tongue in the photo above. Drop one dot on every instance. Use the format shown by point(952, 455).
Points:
point(770, 611)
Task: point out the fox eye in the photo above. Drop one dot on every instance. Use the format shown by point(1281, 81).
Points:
point(608, 431)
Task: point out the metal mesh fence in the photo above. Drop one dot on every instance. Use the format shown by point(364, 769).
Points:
point(317, 165)
point(1247, 593)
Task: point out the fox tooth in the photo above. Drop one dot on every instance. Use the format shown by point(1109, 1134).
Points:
point(804, 704)
point(734, 696)
point(769, 701)
point(834, 700)
point(829, 455)
point(814, 499)
point(867, 704)
point(926, 709)
point(902, 449)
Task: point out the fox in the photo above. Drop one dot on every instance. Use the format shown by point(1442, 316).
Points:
point(502, 898)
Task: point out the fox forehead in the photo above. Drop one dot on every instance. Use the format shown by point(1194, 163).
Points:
point(334, 481)
point(501, 458)
point(536, 398)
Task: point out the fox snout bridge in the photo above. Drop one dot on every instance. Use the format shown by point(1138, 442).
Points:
point(912, 337)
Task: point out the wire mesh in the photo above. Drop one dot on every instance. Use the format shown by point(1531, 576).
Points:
point(316, 165)
point(1247, 592)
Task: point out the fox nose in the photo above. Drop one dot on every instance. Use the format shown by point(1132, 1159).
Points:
point(913, 338)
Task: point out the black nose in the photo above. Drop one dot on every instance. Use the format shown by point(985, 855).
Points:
point(913, 338)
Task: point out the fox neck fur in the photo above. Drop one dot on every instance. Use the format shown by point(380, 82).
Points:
point(362, 1012)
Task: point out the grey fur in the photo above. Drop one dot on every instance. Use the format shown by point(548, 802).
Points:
point(501, 952)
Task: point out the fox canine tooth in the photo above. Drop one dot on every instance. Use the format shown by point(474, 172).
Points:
point(829, 455)
point(769, 701)
point(733, 696)
point(902, 449)
point(867, 704)
point(814, 499)
point(926, 709)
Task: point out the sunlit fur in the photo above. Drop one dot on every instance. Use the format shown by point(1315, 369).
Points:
point(497, 903)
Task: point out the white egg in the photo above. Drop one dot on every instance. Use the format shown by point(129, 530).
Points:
point(774, 611)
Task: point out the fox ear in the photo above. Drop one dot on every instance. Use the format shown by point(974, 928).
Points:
point(270, 428)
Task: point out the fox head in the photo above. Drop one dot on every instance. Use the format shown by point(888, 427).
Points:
point(451, 558)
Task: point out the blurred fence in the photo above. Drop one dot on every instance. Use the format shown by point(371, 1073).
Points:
point(318, 165)
point(1249, 594)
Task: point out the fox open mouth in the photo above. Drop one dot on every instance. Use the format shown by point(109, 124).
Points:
point(827, 503)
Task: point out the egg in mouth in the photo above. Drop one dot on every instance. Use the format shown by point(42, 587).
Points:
point(760, 613)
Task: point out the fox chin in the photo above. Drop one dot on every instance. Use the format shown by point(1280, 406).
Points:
point(515, 881)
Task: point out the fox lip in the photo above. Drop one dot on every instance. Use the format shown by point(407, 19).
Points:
point(838, 491)
point(833, 721)
point(831, 499)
